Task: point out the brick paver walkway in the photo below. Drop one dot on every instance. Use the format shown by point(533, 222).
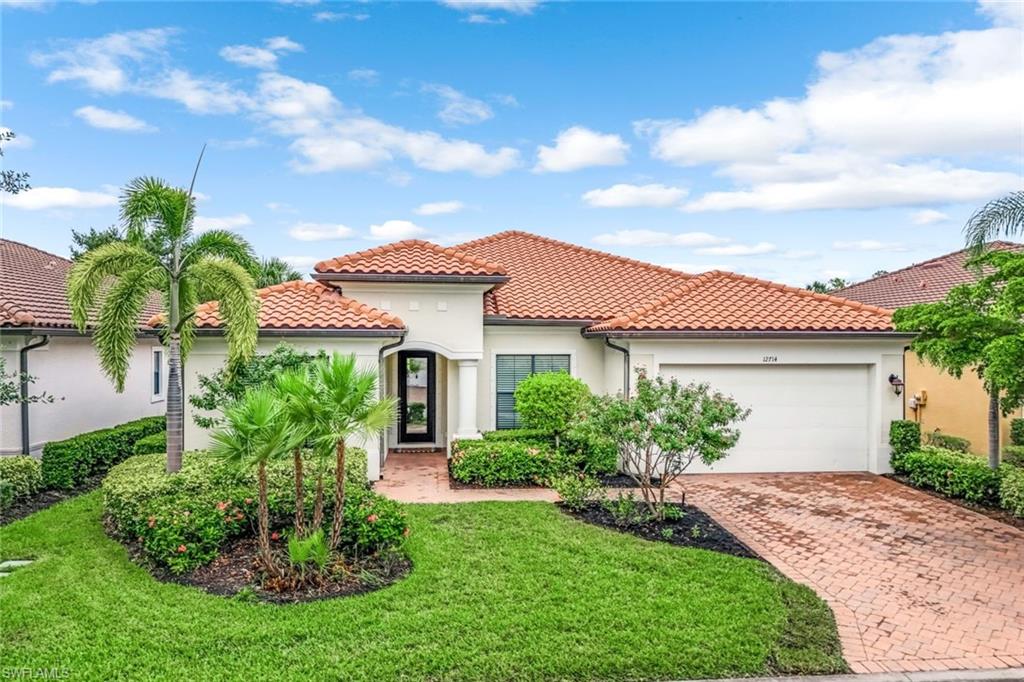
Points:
point(423, 477)
point(916, 583)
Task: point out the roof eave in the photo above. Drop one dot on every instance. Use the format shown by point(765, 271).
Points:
point(305, 331)
point(504, 320)
point(743, 334)
point(414, 278)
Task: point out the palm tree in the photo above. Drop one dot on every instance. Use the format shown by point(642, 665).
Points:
point(257, 432)
point(999, 217)
point(161, 255)
point(270, 271)
point(351, 407)
point(304, 409)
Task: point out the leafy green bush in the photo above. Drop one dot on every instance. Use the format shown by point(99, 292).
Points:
point(904, 437)
point(947, 442)
point(627, 510)
point(504, 462)
point(588, 445)
point(520, 435)
point(155, 443)
point(20, 477)
point(67, 463)
point(951, 473)
point(1017, 431)
point(578, 490)
point(1011, 490)
point(550, 401)
point(182, 520)
point(1014, 454)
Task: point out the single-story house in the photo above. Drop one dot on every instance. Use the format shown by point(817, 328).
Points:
point(453, 330)
point(38, 338)
point(935, 399)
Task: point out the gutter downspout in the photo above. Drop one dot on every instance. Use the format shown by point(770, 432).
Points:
point(625, 365)
point(26, 443)
point(380, 393)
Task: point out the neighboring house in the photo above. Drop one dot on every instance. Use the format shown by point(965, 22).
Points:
point(461, 326)
point(957, 407)
point(37, 336)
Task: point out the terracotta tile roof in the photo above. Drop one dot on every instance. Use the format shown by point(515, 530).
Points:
point(919, 283)
point(551, 279)
point(33, 288)
point(723, 301)
point(307, 305)
point(412, 257)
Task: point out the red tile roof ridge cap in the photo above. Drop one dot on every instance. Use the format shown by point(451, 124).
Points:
point(391, 247)
point(575, 247)
point(999, 244)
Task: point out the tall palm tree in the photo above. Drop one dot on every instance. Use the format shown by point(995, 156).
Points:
point(270, 271)
point(999, 217)
point(256, 432)
point(351, 407)
point(160, 254)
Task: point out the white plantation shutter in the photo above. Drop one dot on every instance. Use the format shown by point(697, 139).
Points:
point(509, 371)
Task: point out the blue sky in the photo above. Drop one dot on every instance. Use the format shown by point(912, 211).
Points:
point(788, 141)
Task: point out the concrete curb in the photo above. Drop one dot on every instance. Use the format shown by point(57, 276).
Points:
point(999, 675)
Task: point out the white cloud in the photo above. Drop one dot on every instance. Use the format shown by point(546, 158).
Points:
point(928, 216)
point(19, 141)
point(1003, 12)
point(653, 238)
point(283, 44)
point(241, 143)
point(395, 230)
point(101, 64)
point(280, 207)
point(454, 238)
point(578, 147)
point(511, 6)
point(364, 76)
point(31, 5)
point(113, 120)
point(439, 208)
point(198, 95)
point(43, 198)
point(506, 100)
point(625, 195)
point(5, 104)
point(260, 57)
point(315, 232)
point(867, 245)
point(340, 16)
point(230, 222)
point(872, 127)
point(739, 249)
point(457, 107)
point(483, 19)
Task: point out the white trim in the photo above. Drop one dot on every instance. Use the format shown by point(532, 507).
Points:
point(436, 348)
point(162, 395)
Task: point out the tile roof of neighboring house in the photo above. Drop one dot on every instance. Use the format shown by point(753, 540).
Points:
point(413, 259)
point(300, 305)
point(726, 302)
point(33, 288)
point(551, 279)
point(919, 283)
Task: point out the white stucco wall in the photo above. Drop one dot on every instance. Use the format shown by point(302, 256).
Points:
point(68, 369)
point(209, 353)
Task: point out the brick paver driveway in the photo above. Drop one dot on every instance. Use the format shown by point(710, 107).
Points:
point(916, 583)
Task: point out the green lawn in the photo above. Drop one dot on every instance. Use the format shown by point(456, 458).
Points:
point(499, 591)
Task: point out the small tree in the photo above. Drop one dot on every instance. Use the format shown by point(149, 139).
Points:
point(828, 287)
point(550, 401)
point(10, 388)
point(664, 427)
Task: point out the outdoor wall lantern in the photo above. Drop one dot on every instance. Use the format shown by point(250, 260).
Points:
point(896, 383)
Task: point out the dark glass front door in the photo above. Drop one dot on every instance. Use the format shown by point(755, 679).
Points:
point(416, 397)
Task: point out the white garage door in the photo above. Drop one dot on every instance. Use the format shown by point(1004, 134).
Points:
point(803, 417)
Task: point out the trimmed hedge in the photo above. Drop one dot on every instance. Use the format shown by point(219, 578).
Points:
point(67, 463)
point(519, 434)
point(20, 476)
point(152, 444)
point(1014, 454)
point(590, 454)
point(505, 462)
point(1017, 431)
point(1011, 490)
point(947, 442)
point(182, 520)
point(904, 437)
point(951, 473)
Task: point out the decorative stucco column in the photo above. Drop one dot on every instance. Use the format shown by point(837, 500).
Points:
point(467, 426)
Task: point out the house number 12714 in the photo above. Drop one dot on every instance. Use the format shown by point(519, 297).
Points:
point(770, 358)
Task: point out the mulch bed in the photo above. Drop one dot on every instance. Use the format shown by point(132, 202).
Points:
point(709, 535)
point(994, 513)
point(47, 498)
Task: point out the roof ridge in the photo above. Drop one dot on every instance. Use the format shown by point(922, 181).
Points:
point(391, 247)
point(943, 257)
point(575, 247)
point(856, 305)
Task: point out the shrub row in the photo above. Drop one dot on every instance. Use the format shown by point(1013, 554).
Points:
point(951, 473)
point(155, 443)
point(1011, 490)
point(67, 463)
point(1014, 454)
point(182, 521)
point(1017, 431)
point(904, 436)
point(948, 442)
point(505, 462)
point(20, 476)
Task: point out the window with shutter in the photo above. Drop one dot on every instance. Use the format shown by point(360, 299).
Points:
point(509, 371)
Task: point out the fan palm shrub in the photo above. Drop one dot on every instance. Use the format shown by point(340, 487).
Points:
point(161, 255)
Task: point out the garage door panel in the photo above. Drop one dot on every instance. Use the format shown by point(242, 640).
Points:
point(803, 417)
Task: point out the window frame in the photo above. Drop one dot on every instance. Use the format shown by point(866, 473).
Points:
point(533, 364)
point(157, 375)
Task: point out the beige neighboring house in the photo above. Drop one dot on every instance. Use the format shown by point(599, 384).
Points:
point(936, 400)
point(452, 331)
point(37, 337)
